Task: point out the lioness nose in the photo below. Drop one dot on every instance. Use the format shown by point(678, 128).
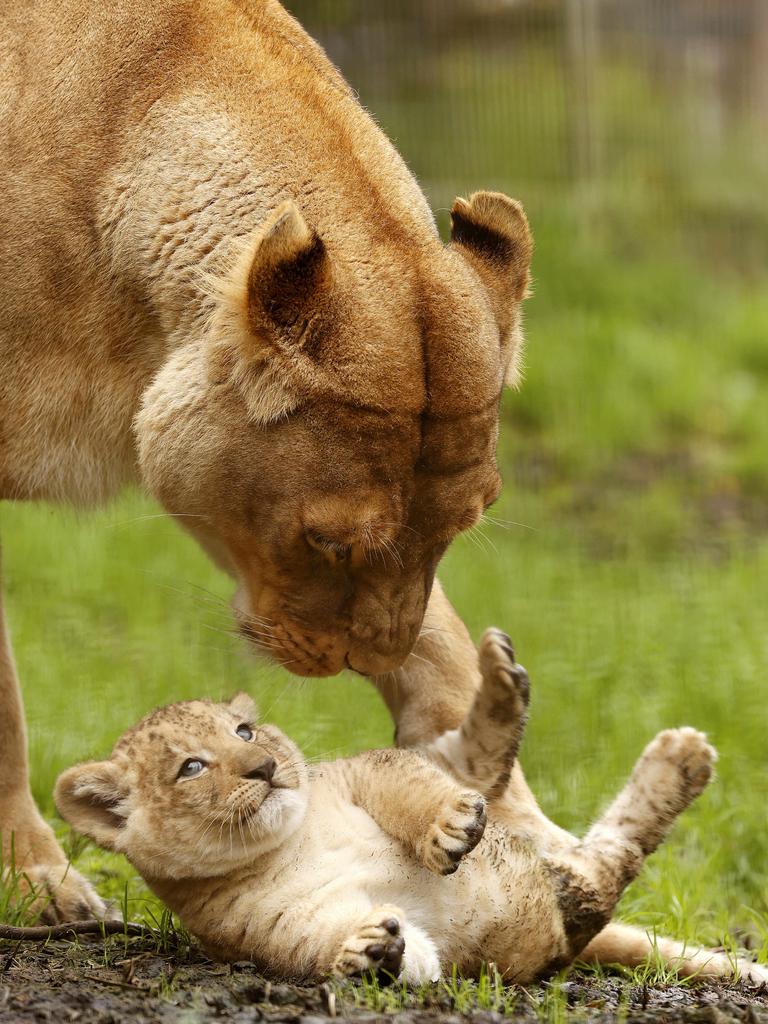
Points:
point(265, 770)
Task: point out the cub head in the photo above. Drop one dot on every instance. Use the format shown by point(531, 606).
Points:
point(333, 424)
point(194, 790)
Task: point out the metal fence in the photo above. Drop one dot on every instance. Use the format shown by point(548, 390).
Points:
point(656, 105)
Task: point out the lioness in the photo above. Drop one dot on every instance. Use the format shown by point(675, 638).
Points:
point(221, 281)
point(336, 868)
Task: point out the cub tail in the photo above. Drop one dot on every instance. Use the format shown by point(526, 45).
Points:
point(630, 947)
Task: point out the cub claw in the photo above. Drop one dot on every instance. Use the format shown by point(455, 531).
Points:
point(500, 670)
point(457, 832)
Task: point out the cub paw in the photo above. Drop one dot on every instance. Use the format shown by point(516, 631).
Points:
point(678, 763)
point(504, 680)
point(377, 946)
point(458, 830)
point(57, 894)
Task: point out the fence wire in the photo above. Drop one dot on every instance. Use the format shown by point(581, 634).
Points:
point(659, 106)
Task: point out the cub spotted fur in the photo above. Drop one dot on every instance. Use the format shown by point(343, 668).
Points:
point(382, 861)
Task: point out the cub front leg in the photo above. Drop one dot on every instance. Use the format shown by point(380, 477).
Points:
point(419, 805)
point(432, 693)
point(457, 831)
point(483, 750)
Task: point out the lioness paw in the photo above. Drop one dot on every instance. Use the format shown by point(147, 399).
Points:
point(58, 894)
point(458, 830)
point(377, 946)
point(677, 765)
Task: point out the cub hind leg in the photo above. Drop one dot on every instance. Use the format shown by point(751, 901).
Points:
point(483, 750)
point(672, 771)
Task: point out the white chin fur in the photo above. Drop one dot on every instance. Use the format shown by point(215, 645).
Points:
point(279, 817)
point(420, 960)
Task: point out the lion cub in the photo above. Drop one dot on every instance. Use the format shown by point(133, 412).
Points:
point(376, 862)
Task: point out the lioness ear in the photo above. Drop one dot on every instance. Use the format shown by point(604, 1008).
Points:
point(269, 314)
point(91, 797)
point(492, 231)
point(289, 269)
point(243, 707)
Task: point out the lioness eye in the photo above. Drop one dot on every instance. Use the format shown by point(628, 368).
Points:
point(191, 767)
point(327, 546)
point(244, 732)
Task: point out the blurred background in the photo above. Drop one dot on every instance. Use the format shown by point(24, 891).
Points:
point(629, 555)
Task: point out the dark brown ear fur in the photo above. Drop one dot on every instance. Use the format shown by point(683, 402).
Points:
point(288, 282)
point(492, 230)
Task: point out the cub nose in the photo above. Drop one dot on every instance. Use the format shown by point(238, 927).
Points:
point(264, 771)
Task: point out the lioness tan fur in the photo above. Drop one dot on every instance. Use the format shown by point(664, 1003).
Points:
point(220, 281)
point(343, 867)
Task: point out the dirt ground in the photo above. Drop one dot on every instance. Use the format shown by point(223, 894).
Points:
point(84, 982)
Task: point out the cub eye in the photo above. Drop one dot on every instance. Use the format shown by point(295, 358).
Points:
point(191, 767)
point(245, 732)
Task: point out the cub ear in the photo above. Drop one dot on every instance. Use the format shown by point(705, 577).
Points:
point(91, 797)
point(243, 707)
point(269, 314)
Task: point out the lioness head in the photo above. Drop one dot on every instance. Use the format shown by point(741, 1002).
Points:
point(335, 425)
point(194, 790)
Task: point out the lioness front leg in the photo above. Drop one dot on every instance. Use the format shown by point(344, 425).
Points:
point(32, 860)
point(433, 690)
point(416, 803)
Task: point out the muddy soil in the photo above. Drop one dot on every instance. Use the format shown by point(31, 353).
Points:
point(88, 983)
